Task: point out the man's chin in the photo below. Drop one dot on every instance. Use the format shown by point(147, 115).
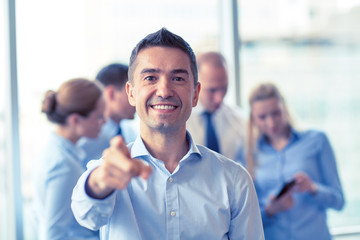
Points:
point(211, 110)
point(164, 127)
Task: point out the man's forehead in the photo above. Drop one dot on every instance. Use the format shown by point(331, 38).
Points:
point(154, 51)
point(158, 57)
point(214, 80)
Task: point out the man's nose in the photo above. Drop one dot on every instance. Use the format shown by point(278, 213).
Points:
point(219, 97)
point(164, 88)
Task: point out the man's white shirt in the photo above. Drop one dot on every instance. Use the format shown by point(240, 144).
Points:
point(230, 126)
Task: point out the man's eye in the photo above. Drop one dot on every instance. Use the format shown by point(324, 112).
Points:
point(212, 90)
point(178, 79)
point(150, 78)
point(262, 117)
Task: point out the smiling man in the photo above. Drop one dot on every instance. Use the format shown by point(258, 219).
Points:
point(184, 191)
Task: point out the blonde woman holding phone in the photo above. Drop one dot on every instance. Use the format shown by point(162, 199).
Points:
point(277, 154)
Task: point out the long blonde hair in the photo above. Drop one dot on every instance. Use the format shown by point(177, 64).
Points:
point(262, 91)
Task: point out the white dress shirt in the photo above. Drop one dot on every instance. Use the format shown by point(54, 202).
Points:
point(230, 126)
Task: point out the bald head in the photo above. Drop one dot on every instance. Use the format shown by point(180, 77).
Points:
point(211, 58)
point(213, 78)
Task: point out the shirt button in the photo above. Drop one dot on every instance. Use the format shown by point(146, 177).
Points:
point(171, 179)
point(172, 213)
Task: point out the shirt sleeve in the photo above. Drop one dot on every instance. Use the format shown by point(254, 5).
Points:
point(89, 212)
point(245, 213)
point(58, 215)
point(330, 193)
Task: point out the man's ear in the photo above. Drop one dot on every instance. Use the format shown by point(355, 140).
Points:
point(130, 93)
point(196, 94)
point(109, 92)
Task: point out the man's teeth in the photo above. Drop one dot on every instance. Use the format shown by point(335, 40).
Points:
point(163, 107)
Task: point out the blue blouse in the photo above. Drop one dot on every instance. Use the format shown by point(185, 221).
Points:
point(55, 174)
point(311, 153)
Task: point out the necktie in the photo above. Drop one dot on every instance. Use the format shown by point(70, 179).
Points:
point(119, 131)
point(211, 138)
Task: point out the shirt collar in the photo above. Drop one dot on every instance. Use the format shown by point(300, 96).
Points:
point(199, 110)
point(139, 150)
point(72, 148)
point(112, 125)
point(294, 136)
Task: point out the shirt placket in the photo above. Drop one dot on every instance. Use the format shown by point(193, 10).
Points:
point(283, 174)
point(172, 210)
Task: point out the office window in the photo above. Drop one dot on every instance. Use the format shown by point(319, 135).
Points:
point(4, 183)
point(4, 180)
point(311, 50)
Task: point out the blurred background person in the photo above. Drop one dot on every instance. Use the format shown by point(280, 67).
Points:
point(277, 153)
point(118, 112)
point(213, 123)
point(77, 109)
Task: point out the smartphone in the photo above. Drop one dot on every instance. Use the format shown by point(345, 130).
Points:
point(287, 186)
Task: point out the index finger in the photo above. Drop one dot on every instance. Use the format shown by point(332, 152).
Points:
point(133, 166)
point(119, 143)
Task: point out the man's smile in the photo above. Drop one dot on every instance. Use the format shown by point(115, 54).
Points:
point(163, 107)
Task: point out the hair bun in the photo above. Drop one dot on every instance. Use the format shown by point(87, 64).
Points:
point(49, 102)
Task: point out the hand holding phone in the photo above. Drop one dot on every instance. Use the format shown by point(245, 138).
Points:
point(287, 186)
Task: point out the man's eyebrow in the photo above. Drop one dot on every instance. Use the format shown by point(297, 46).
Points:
point(150, 70)
point(156, 70)
point(176, 71)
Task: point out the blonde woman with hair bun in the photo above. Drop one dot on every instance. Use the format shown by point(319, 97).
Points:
point(278, 153)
